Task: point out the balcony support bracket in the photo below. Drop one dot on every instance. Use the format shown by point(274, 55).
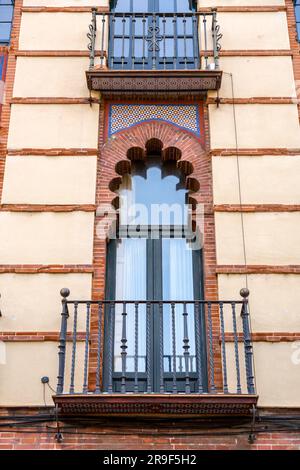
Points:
point(252, 435)
point(58, 436)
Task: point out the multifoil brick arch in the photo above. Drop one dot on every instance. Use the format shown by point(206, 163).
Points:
point(113, 150)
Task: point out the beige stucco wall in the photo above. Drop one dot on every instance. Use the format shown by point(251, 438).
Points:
point(57, 180)
point(65, 76)
point(56, 31)
point(26, 364)
point(253, 31)
point(33, 302)
point(258, 125)
point(257, 77)
point(46, 238)
point(277, 385)
point(271, 238)
point(273, 300)
point(48, 126)
point(264, 180)
point(51, 76)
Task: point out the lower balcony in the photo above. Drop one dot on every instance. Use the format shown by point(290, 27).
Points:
point(155, 358)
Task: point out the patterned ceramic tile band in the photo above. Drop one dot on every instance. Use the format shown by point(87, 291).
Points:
point(123, 116)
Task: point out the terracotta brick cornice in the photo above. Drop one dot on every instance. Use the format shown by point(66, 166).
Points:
point(258, 269)
point(224, 9)
point(52, 100)
point(223, 53)
point(254, 100)
point(37, 336)
point(248, 208)
point(255, 52)
point(245, 9)
point(54, 152)
point(47, 208)
point(55, 53)
point(72, 9)
point(269, 337)
point(53, 336)
point(210, 101)
point(255, 152)
point(43, 268)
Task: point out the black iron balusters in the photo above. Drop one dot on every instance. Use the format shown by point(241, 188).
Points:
point(236, 349)
point(86, 349)
point(186, 348)
point(247, 343)
point(186, 359)
point(123, 349)
point(62, 342)
point(155, 40)
point(92, 37)
point(74, 349)
point(99, 347)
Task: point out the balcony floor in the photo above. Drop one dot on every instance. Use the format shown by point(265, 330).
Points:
point(156, 405)
point(130, 83)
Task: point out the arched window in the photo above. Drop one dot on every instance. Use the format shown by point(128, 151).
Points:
point(152, 269)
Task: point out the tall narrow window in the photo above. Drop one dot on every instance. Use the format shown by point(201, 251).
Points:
point(153, 34)
point(6, 17)
point(159, 275)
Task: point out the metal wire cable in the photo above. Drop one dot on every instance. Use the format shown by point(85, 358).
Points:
point(241, 201)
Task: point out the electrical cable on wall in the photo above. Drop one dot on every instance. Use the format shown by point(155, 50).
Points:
point(240, 197)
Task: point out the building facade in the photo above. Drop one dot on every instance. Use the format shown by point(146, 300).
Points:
point(125, 325)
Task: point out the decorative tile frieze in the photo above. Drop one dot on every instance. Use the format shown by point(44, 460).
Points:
point(124, 116)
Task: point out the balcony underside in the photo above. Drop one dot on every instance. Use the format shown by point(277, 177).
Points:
point(153, 82)
point(156, 405)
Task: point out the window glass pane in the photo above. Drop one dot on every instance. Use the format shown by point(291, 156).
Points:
point(185, 47)
point(177, 265)
point(121, 48)
point(1, 67)
point(297, 15)
point(167, 48)
point(5, 32)
point(121, 26)
point(131, 284)
point(122, 6)
point(184, 6)
point(6, 13)
point(166, 26)
point(153, 195)
point(166, 6)
point(140, 48)
point(140, 6)
point(141, 26)
point(185, 26)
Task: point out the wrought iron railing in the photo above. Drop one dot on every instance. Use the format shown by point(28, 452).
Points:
point(160, 347)
point(155, 40)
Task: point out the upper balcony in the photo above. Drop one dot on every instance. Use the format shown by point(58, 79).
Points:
point(154, 53)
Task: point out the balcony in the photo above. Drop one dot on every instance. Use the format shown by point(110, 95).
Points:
point(154, 53)
point(111, 362)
